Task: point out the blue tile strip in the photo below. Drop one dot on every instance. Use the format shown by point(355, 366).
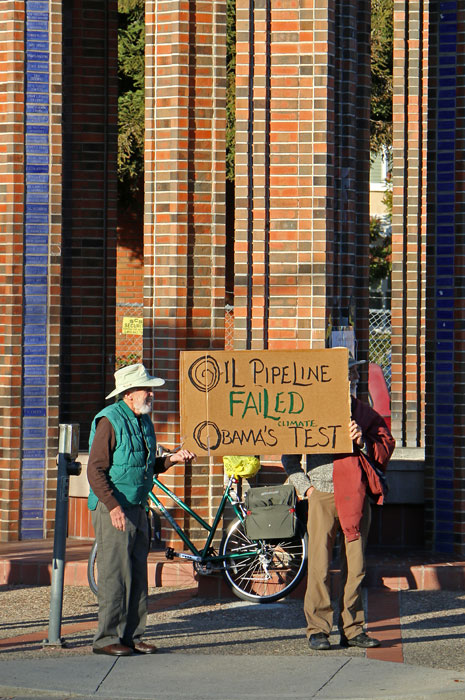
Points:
point(36, 240)
point(445, 261)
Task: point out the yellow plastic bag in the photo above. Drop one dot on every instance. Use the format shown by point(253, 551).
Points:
point(241, 466)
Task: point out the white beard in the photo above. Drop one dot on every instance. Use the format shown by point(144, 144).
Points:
point(143, 407)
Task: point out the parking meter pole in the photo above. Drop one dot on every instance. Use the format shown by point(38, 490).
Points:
point(69, 438)
point(59, 549)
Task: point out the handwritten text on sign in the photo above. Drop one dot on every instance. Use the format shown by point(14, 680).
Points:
point(265, 402)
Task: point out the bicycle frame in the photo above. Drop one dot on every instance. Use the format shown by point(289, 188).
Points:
point(256, 570)
point(201, 556)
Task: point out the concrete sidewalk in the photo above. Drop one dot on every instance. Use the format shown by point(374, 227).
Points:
point(211, 650)
point(221, 648)
point(198, 677)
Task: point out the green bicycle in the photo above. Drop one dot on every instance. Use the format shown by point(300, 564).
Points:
point(261, 571)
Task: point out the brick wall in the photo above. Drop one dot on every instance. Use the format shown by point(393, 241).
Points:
point(301, 236)
point(301, 206)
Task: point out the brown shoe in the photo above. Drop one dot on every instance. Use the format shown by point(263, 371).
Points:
point(144, 648)
point(114, 650)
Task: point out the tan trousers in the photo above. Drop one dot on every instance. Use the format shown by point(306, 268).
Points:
point(323, 525)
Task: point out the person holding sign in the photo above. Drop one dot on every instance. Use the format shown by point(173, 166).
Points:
point(338, 489)
point(122, 461)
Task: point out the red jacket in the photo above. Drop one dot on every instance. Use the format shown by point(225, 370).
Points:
point(353, 473)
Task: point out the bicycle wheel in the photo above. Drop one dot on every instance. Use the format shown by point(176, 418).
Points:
point(92, 569)
point(272, 569)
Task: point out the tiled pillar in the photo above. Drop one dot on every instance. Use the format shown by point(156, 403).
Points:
point(41, 268)
point(31, 241)
point(445, 297)
point(11, 260)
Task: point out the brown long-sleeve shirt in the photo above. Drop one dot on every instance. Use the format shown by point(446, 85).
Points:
point(100, 461)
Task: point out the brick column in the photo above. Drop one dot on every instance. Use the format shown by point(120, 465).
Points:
point(409, 222)
point(89, 209)
point(184, 235)
point(301, 179)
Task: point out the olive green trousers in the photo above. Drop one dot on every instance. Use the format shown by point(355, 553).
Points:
point(122, 576)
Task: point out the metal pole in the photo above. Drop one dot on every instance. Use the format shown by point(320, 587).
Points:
point(69, 441)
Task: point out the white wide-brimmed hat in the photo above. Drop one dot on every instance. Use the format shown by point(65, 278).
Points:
point(131, 377)
point(353, 362)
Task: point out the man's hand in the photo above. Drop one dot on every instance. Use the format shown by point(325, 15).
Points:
point(118, 518)
point(180, 456)
point(355, 433)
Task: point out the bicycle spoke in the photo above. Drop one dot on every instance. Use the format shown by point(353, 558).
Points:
point(270, 570)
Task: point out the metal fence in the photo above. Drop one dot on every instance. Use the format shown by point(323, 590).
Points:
point(380, 341)
point(128, 333)
point(129, 336)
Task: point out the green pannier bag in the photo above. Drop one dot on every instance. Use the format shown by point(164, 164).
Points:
point(270, 512)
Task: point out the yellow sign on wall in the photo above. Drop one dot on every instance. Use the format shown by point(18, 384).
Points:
point(265, 402)
point(132, 326)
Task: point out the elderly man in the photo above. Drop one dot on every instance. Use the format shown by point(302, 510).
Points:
point(336, 487)
point(122, 463)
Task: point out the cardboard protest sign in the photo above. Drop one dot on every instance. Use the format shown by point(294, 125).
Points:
point(264, 402)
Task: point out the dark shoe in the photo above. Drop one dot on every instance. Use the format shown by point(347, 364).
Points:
point(362, 640)
point(114, 650)
point(318, 641)
point(144, 648)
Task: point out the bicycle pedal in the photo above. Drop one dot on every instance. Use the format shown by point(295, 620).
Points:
point(169, 553)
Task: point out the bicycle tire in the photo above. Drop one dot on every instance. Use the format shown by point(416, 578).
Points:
point(92, 569)
point(266, 576)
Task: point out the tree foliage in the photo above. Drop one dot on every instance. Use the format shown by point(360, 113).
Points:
point(381, 74)
point(380, 245)
point(131, 74)
point(380, 253)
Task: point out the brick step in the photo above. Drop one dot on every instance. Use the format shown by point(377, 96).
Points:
point(34, 567)
point(31, 563)
point(401, 576)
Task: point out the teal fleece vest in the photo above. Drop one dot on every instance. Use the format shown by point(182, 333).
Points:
point(132, 468)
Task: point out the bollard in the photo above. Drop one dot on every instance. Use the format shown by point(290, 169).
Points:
point(67, 452)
